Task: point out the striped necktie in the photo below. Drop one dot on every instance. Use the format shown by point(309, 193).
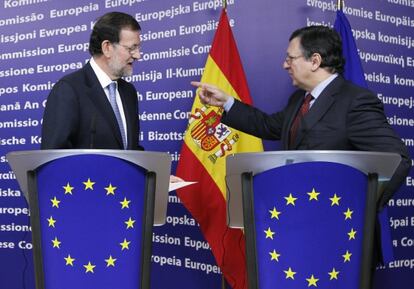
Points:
point(298, 118)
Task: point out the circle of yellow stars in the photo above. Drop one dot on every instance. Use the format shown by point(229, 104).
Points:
point(291, 200)
point(56, 242)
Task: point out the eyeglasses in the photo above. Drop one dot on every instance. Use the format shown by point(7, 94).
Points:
point(131, 49)
point(289, 59)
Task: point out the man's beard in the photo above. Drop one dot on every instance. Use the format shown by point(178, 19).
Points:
point(119, 70)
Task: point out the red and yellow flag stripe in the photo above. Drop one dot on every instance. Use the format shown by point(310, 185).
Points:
point(202, 159)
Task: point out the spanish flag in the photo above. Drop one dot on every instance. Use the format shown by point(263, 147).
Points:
point(206, 144)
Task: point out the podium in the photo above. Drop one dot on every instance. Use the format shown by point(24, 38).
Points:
point(308, 216)
point(92, 213)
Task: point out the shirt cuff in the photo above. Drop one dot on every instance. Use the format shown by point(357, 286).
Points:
point(229, 103)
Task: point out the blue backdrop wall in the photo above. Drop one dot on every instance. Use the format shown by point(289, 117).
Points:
point(42, 40)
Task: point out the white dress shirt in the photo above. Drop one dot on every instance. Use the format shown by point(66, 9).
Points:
point(105, 80)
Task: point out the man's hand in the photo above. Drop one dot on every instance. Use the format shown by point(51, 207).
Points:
point(210, 94)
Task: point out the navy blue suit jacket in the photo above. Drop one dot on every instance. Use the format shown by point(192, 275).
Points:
point(78, 114)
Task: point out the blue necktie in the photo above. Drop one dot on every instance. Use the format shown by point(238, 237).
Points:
point(112, 100)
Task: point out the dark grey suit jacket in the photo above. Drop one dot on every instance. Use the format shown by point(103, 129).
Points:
point(344, 117)
point(78, 114)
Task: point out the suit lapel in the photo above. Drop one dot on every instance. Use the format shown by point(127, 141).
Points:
point(318, 109)
point(97, 95)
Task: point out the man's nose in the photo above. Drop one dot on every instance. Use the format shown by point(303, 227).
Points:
point(136, 55)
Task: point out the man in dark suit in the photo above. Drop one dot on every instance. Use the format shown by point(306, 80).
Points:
point(94, 107)
point(325, 113)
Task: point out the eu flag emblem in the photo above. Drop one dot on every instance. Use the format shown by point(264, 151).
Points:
point(91, 211)
point(309, 226)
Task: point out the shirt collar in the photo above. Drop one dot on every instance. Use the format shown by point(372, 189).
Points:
point(103, 78)
point(322, 85)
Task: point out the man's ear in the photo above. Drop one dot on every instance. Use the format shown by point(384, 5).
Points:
point(107, 48)
point(316, 61)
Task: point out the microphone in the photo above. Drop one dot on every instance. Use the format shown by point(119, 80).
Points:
point(92, 131)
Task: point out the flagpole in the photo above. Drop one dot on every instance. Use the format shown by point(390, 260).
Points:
point(340, 4)
point(223, 280)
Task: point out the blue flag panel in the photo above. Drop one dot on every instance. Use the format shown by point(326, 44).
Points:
point(353, 67)
point(309, 228)
point(91, 211)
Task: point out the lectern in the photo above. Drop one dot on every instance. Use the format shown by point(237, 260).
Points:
point(92, 213)
point(308, 216)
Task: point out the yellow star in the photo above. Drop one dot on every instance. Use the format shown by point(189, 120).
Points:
point(89, 184)
point(290, 274)
point(130, 223)
point(333, 274)
point(51, 222)
point(69, 260)
point(290, 200)
point(312, 281)
point(110, 261)
point(348, 214)
point(347, 256)
point(269, 233)
point(125, 244)
point(274, 255)
point(89, 267)
point(125, 203)
point(68, 189)
point(274, 213)
point(335, 200)
point(313, 195)
point(56, 243)
point(55, 202)
point(110, 190)
point(352, 234)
